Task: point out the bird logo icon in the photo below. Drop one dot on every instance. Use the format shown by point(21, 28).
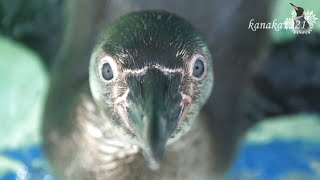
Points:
point(301, 22)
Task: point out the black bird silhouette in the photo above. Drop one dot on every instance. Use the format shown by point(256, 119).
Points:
point(299, 22)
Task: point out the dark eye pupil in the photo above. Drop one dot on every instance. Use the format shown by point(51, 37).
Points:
point(107, 72)
point(198, 68)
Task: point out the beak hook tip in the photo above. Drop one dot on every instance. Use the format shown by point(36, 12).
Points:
point(153, 162)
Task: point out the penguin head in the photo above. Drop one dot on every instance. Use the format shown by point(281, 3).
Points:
point(299, 10)
point(150, 74)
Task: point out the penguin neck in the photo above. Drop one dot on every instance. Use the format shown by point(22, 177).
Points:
point(98, 129)
point(299, 17)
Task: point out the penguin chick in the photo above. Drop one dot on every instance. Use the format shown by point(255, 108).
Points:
point(150, 75)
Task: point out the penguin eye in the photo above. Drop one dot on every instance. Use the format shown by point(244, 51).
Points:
point(107, 72)
point(198, 67)
point(108, 69)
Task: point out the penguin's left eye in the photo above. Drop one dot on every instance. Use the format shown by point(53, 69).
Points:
point(198, 67)
point(108, 69)
point(107, 72)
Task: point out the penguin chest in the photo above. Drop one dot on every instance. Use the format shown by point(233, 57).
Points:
point(300, 24)
point(188, 159)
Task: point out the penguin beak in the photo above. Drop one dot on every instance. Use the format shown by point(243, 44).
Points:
point(295, 7)
point(155, 135)
point(158, 98)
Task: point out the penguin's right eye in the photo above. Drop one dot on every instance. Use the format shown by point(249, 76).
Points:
point(108, 69)
point(107, 72)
